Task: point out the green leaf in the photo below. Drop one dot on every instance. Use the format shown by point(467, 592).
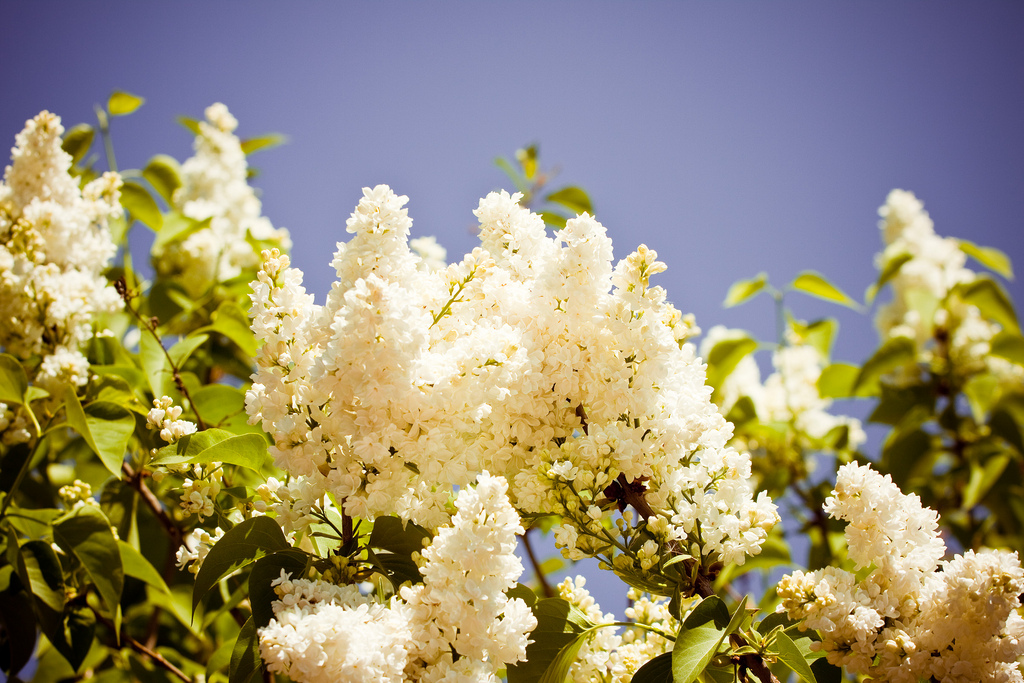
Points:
point(893, 354)
point(76, 634)
point(77, 142)
point(896, 403)
point(559, 668)
point(32, 522)
point(243, 544)
point(155, 365)
point(890, 268)
point(657, 670)
point(711, 608)
point(524, 593)
point(224, 406)
point(991, 299)
point(137, 566)
point(517, 179)
point(903, 452)
point(245, 656)
point(990, 257)
point(983, 478)
point(725, 356)
point(791, 656)
point(263, 142)
point(164, 173)
point(773, 620)
point(230, 321)
point(573, 198)
point(13, 380)
point(743, 290)
point(245, 450)
point(820, 334)
point(123, 103)
point(176, 227)
point(558, 624)
point(85, 533)
point(394, 543)
point(693, 651)
point(39, 569)
point(837, 380)
point(265, 571)
point(742, 412)
point(815, 284)
point(183, 348)
point(191, 124)
point(555, 220)
point(105, 426)
point(1008, 345)
point(141, 205)
point(825, 672)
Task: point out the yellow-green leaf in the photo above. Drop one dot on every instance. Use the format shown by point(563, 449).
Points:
point(263, 142)
point(992, 300)
point(894, 353)
point(573, 198)
point(890, 268)
point(105, 426)
point(1008, 345)
point(815, 284)
point(141, 205)
point(77, 142)
point(743, 290)
point(164, 173)
point(990, 257)
point(122, 103)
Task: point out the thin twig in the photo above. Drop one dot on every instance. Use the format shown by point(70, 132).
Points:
point(549, 592)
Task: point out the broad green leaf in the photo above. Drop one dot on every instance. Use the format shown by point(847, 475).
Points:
point(141, 205)
point(981, 392)
point(105, 426)
point(890, 268)
point(176, 227)
point(230, 321)
point(991, 299)
point(903, 452)
point(183, 348)
point(524, 593)
point(742, 412)
point(245, 450)
point(75, 636)
point(1003, 425)
point(85, 533)
point(223, 406)
point(894, 353)
point(77, 142)
point(40, 571)
point(725, 356)
point(815, 284)
point(983, 478)
point(245, 656)
point(657, 670)
point(825, 672)
point(122, 103)
point(265, 571)
point(791, 656)
point(820, 334)
point(773, 620)
point(553, 219)
point(711, 608)
point(243, 544)
point(137, 566)
point(558, 624)
point(155, 365)
point(394, 543)
point(13, 381)
point(263, 142)
point(164, 173)
point(189, 123)
point(559, 668)
point(896, 402)
point(743, 290)
point(837, 380)
point(693, 650)
point(35, 523)
point(527, 158)
point(220, 659)
point(990, 257)
point(573, 198)
point(1008, 345)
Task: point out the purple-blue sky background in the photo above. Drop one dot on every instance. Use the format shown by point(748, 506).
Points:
point(730, 137)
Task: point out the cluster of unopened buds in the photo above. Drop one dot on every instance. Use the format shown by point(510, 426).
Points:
point(165, 416)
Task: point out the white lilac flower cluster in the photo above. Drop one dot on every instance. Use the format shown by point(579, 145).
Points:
point(920, 305)
point(607, 656)
point(195, 547)
point(529, 356)
point(790, 394)
point(457, 626)
point(215, 187)
point(54, 247)
point(911, 617)
point(166, 417)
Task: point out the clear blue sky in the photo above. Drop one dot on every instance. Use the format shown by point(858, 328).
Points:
point(731, 137)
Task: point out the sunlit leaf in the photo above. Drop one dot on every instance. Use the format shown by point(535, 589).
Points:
point(791, 656)
point(263, 142)
point(815, 284)
point(893, 354)
point(725, 356)
point(991, 299)
point(141, 205)
point(1008, 345)
point(189, 123)
point(105, 426)
point(242, 545)
point(164, 173)
point(743, 290)
point(137, 566)
point(77, 141)
point(85, 533)
point(13, 380)
point(657, 670)
point(990, 257)
point(122, 103)
point(837, 380)
point(983, 478)
point(573, 198)
point(245, 656)
point(890, 268)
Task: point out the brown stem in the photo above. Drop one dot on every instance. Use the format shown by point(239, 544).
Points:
point(155, 656)
point(134, 480)
point(549, 592)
